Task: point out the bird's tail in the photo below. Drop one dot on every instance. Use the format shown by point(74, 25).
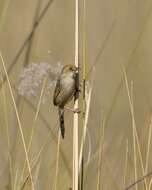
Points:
point(61, 120)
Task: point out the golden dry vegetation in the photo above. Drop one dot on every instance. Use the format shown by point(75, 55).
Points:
point(117, 148)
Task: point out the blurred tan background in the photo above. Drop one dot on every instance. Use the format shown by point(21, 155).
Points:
point(129, 45)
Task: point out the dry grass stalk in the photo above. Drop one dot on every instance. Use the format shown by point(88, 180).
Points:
point(7, 133)
point(75, 119)
point(92, 70)
point(88, 101)
point(84, 103)
point(27, 40)
point(19, 122)
point(148, 152)
point(134, 131)
point(15, 179)
point(148, 146)
point(51, 131)
point(29, 48)
point(100, 155)
point(37, 113)
point(102, 48)
point(126, 164)
point(34, 124)
point(138, 181)
point(57, 161)
point(133, 126)
point(35, 161)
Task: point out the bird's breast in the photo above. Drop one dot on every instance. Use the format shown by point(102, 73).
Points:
point(68, 83)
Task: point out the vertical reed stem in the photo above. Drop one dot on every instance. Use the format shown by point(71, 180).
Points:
point(75, 119)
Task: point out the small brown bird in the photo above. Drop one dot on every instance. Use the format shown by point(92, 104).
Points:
point(66, 88)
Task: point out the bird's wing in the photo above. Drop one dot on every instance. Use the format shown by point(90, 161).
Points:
point(57, 91)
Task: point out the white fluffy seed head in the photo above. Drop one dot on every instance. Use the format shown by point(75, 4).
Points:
point(32, 77)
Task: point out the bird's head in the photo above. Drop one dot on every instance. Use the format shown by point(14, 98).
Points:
point(69, 68)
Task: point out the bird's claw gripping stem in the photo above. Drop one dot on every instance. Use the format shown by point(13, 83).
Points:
point(77, 110)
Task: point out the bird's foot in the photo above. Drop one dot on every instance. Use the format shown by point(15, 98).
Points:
point(77, 110)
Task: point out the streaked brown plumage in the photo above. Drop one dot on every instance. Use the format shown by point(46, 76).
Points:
point(65, 89)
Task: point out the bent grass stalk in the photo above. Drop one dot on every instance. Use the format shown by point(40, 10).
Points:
point(150, 184)
point(85, 127)
point(53, 136)
point(102, 48)
point(138, 181)
point(19, 122)
point(133, 126)
point(92, 70)
point(37, 113)
point(34, 123)
point(7, 132)
point(35, 161)
point(134, 130)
